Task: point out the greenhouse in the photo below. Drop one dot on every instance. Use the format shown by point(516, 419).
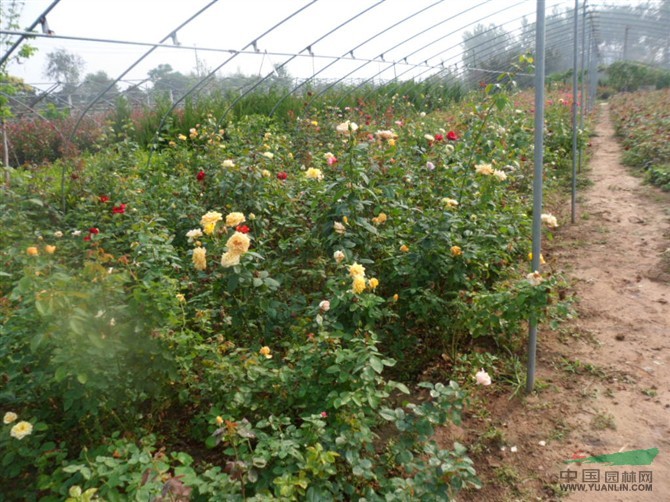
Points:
point(315, 250)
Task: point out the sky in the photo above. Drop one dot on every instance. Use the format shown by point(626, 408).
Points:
point(329, 28)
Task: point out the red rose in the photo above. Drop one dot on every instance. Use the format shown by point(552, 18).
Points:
point(93, 231)
point(452, 136)
point(439, 137)
point(243, 229)
point(103, 198)
point(282, 175)
point(200, 176)
point(87, 238)
point(120, 209)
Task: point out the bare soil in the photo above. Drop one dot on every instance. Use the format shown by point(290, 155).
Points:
point(604, 376)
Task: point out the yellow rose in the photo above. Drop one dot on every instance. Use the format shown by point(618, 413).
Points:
point(9, 417)
point(21, 430)
point(265, 351)
point(50, 249)
point(404, 248)
point(209, 221)
point(358, 286)
point(230, 259)
point(314, 174)
point(200, 258)
point(238, 243)
point(356, 270)
point(456, 251)
point(484, 169)
point(32, 251)
point(373, 283)
point(379, 219)
point(234, 219)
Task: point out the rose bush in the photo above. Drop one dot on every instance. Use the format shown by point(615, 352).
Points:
point(265, 309)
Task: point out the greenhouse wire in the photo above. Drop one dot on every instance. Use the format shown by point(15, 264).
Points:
point(659, 30)
point(282, 65)
point(99, 96)
point(461, 72)
point(537, 180)
point(137, 61)
point(424, 47)
point(351, 52)
point(575, 99)
point(189, 48)
point(553, 21)
point(37, 21)
point(556, 36)
point(334, 58)
point(398, 45)
point(487, 42)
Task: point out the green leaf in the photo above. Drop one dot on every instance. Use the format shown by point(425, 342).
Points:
point(387, 414)
point(36, 341)
point(82, 378)
point(401, 387)
point(376, 364)
point(60, 374)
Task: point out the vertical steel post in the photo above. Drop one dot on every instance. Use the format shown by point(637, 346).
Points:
point(575, 98)
point(582, 99)
point(582, 94)
point(593, 70)
point(537, 177)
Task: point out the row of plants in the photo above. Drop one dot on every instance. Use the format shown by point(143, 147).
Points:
point(642, 121)
point(51, 135)
point(629, 76)
point(244, 312)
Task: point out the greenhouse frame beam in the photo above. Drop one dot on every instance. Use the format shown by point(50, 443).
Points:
point(283, 64)
point(21, 38)
point(101, 94)
point(447, 49)
point(351, 51)
point(399, 45)
point(251, 52)
point(421, 48)
point(136, 62)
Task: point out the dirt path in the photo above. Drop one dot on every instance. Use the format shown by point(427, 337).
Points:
point(603, 379)
point(616, 253)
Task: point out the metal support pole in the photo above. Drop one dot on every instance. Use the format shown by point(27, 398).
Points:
point(582, 99)
point(537, 177)
point(593, 71)
point(575, 98)
point(5, 153)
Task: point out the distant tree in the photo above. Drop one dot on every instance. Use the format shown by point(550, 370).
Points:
point(94, 84)
point(64, 67)
point(167, 82)
point(488, 51)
